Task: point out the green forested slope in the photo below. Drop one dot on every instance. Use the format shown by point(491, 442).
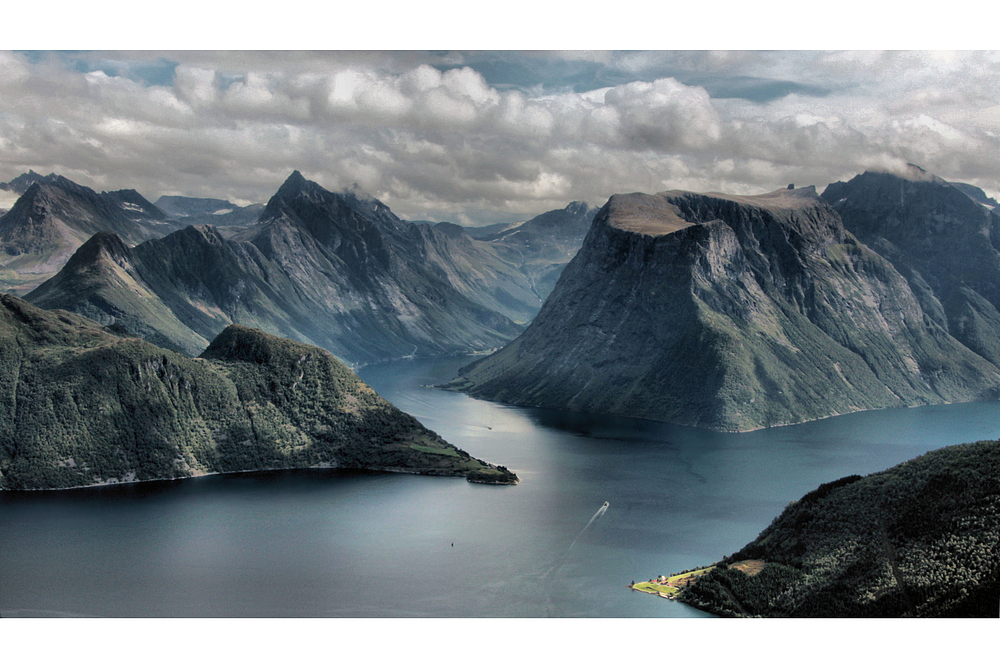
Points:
point(82, 406)
point(918, 540)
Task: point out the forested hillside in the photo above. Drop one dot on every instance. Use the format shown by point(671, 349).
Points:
point(80, 405)
point(917, 540)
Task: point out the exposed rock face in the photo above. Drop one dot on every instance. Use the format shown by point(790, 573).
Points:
point(81, 406)
point(730, 313)
point(332, 269)
point(55, 216)
point(942, 237)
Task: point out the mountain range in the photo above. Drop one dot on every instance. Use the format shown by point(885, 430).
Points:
point(220, 213)
point(710, 310)
point(54, 216)
point(338, 270)
point(740, 312)
point(81, 405)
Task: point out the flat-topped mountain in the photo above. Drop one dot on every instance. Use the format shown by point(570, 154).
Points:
point(730, 313)
point(54, 217)
point(916, 540)
point(82, 406)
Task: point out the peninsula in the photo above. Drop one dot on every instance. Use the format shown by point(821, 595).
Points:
point(82, 405)
point(916, 540)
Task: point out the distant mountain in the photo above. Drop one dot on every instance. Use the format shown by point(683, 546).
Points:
point(54, 217)
point(81, 406)
point(23, 182)
point(917, 540)
point(12, 190)
point(540, 247)
point(730, 313)
point(219, 213)
point(944, 242)
point(336, 270)
point(487, 231)
point(544, 245)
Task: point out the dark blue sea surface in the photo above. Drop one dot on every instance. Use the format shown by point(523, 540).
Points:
point(350, 544)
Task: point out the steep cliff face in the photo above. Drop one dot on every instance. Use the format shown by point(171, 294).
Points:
point(730, 313)
point(81, 406)
point(943, 238)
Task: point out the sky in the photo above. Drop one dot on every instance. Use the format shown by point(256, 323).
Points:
point(490, 135)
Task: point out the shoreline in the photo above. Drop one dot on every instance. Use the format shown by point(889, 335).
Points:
point(441, 473)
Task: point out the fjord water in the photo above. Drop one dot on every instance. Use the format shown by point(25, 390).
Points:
point(380, 545)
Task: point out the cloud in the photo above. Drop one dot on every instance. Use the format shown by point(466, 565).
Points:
point(432, 136)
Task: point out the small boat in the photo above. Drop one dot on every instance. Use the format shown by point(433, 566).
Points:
point(605, 506)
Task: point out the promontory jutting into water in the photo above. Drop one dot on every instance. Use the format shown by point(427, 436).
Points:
point(373, 545)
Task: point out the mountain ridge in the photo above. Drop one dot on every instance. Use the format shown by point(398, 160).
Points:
point(54, 216)
point(736, 313)
point(335, 270)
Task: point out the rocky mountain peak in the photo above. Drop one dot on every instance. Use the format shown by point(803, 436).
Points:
point(294, 182)
point(21, 183)
point(102, 247)
point(202, 233)
point(296, 188)
point(897, 207)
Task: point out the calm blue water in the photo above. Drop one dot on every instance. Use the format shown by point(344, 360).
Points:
point(380, 545)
